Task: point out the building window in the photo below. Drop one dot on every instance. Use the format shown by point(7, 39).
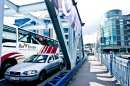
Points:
point(67, 42)
point(128, 22)
point(121, 33)
point(128, 37)
point(129, 43)
point(122, 43)
point(122, 37)
point(113, 22)
point(121, 20)
point(66, 36)
point(115, 43)
point(65, 30)
point(110, 22)
point(107, 43)
point(114, 38)
point(128, 32)
point(128, 27)
point(33, 31)
point(121, 27)
point(47, 32)
point(113, 27)
point(37, 31)
point(114, 32)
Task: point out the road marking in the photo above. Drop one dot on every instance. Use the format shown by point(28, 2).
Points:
point(2, 79)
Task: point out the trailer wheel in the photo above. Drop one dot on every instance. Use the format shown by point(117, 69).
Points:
point(8, 63)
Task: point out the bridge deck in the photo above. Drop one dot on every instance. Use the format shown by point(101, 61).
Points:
point(92, 73)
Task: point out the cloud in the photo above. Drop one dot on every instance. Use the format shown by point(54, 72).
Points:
point(91, 28)
point(89, 38)
point(91, 12)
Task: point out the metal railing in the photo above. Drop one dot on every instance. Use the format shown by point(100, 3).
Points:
point(117, 66)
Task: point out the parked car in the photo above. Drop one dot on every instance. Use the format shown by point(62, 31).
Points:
point(34, 67)
point(90, 53)
point(77, 56)
point(62, 56)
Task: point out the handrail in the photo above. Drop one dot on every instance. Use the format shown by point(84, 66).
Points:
point(117, 66)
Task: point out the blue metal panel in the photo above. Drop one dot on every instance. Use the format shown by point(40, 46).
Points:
point(47, 21)
point(59, 32)
point(63, 77)
point(19, 22)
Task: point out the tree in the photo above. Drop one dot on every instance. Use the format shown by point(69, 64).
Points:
point(89, 45)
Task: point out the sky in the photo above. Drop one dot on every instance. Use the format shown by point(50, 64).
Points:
point(91, 12)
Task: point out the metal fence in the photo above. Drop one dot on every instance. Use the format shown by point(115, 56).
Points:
point(118, 67)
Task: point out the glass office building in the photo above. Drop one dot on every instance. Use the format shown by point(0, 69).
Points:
point(114, 28)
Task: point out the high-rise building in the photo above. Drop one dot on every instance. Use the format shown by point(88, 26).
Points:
point(115, 30)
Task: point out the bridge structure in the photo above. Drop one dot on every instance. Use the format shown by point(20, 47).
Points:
point(54, 9)
point(10, 8)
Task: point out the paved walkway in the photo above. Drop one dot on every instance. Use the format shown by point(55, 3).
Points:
point(92, 73)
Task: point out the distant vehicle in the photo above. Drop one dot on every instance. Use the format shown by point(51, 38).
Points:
point(62, 56)
point(77, 56)
point(34, 68)
point(90, 53)
point(17, 44)
point(125, 57)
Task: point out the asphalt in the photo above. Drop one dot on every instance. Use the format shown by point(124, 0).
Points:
point(92, 73)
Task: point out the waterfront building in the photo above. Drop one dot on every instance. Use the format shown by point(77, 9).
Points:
point(115, 31)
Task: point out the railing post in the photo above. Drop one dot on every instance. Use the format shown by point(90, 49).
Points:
point(128, 73)
point(101, 57)
point(111, 59)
